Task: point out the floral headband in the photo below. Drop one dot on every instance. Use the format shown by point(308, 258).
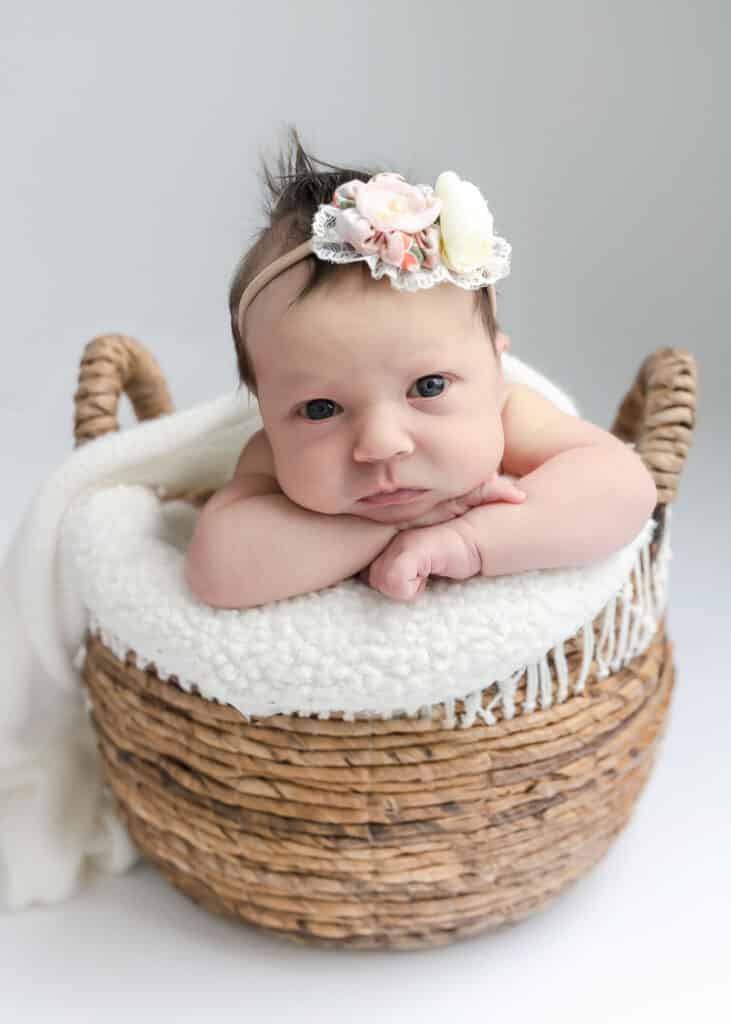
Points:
point(416, 235)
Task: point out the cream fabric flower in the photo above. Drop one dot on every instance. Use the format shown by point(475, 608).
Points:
point(466, 224)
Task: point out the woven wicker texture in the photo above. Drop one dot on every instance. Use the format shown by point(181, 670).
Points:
point(113, 364)
point(395, 833)
point(658, 415)
point(384, 833)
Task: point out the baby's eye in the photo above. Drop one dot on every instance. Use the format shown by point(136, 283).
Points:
point(433, 385)
point(318, 409)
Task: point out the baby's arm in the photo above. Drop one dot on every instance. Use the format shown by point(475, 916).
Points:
point(253, 545)
point(588, 494)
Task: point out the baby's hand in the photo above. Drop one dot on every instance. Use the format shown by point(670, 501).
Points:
point(495, 488)
point(402, 569)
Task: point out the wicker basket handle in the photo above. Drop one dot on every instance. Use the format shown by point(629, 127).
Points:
point(111, 364)
point(658, 416)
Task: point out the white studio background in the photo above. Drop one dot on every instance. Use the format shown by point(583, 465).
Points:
point(599, 134)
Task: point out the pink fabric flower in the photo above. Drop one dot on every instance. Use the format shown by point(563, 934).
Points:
point(356, 230)
point(390, 204)
point(388, 217)
point(396, 246)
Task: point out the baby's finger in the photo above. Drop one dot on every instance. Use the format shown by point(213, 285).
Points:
point(513, 493)
point(409, 589)
point(503, 490)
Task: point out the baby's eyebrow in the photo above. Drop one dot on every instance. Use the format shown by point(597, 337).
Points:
point(290, 376)
point(293, 381)
point(298, 375)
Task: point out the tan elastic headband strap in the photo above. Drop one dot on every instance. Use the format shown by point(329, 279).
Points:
point(288, 260)
point(271, 271)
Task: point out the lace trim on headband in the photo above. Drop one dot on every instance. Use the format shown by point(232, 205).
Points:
point(327, 245)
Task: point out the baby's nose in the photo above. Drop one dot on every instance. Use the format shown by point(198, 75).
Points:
point(380, 453)
point(381, 439)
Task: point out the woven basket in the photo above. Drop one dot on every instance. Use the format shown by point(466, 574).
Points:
point(367, 833)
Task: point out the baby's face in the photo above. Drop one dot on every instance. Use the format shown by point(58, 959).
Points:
point(361, 387)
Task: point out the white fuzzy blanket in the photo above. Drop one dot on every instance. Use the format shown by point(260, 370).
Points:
point(79, 559)
point(343, 648)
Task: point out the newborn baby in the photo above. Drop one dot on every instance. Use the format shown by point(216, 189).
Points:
point(391, 441)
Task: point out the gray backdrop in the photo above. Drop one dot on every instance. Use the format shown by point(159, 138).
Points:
point(599, 133)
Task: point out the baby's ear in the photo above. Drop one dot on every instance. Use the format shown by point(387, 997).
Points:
point(502, 342)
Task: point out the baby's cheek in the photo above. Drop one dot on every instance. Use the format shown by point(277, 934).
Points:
point(308, 482)
point(483, 456)
point(491, 441)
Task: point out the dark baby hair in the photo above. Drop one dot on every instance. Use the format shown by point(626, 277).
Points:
point(292, 197)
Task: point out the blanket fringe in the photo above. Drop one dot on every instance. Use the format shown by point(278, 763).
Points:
point(639, 607)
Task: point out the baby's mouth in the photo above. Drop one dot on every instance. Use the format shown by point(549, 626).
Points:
point(399, 497)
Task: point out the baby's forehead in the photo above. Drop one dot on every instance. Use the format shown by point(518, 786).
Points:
point(350, 319)
point(349, 362)
point(351, 292)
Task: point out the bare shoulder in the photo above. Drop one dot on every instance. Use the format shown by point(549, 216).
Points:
point(256, 456)
point(506, 395)
point(254, 475)
point(535, 430)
